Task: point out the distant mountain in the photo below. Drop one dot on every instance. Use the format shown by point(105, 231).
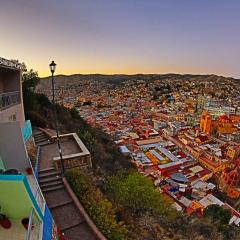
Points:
point(62, 80)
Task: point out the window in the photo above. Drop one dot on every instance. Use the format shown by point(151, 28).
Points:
point(12, 117)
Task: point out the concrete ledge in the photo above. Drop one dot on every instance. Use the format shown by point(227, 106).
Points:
point(69, 156)
point(82, 155)
point(91, 224)
point(77, 140)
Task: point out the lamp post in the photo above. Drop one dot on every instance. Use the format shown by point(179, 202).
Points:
point(52, 66)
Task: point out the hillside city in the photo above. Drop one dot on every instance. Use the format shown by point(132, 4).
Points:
point(118, 157)
point(182, 131)
point(120, 120)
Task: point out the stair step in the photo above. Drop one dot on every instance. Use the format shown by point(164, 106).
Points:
point(48, 174)
point(40, 139)
point(52, 189)
point(70, 201)
point(38, 134)
point(51, 184)
point(50, 179)
point(72, 225)
point(51, 169)
point(43, 143)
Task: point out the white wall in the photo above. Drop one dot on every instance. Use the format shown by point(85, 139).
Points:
point(14, 110)
point(12, 146)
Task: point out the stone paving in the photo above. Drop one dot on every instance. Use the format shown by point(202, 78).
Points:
point(51, 150)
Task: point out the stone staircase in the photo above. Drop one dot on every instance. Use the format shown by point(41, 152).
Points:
point(50, 180)
point(65, 213)
point(40, 138)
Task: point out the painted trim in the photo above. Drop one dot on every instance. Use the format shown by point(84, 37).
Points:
point(47, 224)
point(27, 130)
point(12, 177)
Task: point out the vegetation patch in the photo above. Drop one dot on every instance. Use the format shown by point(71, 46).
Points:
point(98, 207)
point(135, 192)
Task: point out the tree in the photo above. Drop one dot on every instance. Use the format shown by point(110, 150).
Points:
point(30, 79)
point(218, 214)
point(138, 194)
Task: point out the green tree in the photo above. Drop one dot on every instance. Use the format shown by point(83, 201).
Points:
point(137, 193)
point(30, 79)
point(218, 214)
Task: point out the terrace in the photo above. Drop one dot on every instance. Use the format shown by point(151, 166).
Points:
point(9, 99)
point(9, 87)
point(25, 222)
point(21, 197)
point(74, 152)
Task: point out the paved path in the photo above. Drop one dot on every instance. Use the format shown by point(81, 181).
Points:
point(65, 213)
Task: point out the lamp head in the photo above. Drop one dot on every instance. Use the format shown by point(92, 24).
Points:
point(52, 66)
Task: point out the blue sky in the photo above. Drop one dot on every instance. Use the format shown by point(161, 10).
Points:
point(127, 36)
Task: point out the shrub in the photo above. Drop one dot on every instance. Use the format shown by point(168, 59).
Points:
point(98, 207)
point(137, 193)
point(79, 182)
point(218, 214)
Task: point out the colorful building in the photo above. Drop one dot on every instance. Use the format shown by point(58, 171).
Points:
point(229, 182)
point(220, 125)
point(24, 214)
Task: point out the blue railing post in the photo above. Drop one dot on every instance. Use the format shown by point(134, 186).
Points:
point(37, 162)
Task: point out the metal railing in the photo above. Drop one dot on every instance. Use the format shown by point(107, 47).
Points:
point(37, 162)
point(30, 225)
point(34, 229)
point(9, 99)
point(40, 199)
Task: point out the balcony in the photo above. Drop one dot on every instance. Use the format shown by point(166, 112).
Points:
point(27, 203)
point(9, 99)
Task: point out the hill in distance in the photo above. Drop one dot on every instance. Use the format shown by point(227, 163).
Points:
point(61, 80)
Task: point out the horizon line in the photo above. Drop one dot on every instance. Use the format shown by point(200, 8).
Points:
point(132, 74)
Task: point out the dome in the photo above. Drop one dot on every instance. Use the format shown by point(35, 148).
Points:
point(179, 177)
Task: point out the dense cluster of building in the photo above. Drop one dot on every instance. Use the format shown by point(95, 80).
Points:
point(183, 133)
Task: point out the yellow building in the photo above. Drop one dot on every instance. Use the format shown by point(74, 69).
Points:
point(233, 152)
point(206, 123)
point(223, 124)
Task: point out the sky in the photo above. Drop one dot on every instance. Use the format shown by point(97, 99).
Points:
point(123, 36)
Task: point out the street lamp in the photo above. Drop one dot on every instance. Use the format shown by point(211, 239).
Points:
point(52, 66)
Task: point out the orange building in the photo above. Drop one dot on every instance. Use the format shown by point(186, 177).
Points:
point(233, 152)
point(229, 182)
point(212, 163)
point(206, 123)
point(235, 118)
point(223, 124)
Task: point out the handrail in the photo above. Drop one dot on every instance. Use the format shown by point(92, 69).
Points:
point(37, 162)
point(10, 98)
point(38, 194)
point(29, 230)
